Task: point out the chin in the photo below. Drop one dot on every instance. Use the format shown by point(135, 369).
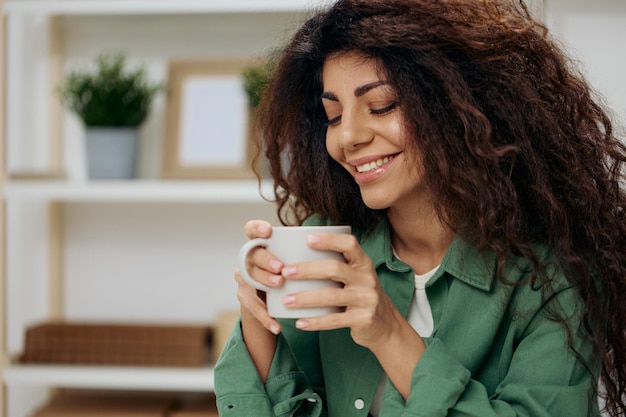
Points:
point(375, 202)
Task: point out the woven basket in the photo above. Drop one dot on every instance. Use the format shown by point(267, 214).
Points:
point(104, 406)
point(117, 344)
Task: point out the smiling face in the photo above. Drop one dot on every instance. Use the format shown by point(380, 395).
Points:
point(365, 132)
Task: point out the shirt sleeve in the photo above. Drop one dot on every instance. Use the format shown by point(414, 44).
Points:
point(240, 391)
point(544, 378)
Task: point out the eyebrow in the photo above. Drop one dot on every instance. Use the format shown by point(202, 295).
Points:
point(358, 92)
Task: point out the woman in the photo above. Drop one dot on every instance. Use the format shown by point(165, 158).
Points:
point(482, 183)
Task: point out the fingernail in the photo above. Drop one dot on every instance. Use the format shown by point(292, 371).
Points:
point(289, 270)
point(302, 324)
point(275, 265)
point(313, 239)
point(276, 279)
point(289, 299)
point(263, 228)
point(274, 328)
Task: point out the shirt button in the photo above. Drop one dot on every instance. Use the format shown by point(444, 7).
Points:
point(359, 404)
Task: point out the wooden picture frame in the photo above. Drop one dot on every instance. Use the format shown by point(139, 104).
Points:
point(207, 133)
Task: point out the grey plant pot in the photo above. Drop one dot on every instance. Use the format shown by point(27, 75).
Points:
point(111, 152)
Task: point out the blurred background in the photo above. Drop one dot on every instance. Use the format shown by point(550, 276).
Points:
point(157, 247)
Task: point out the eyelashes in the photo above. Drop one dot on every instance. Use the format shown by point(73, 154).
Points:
point(385, 109)
point(377, 112)
point(332, 121)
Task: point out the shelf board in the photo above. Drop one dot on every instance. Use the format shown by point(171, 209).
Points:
point(214, 191)
point(112, 7)
point(111, 377)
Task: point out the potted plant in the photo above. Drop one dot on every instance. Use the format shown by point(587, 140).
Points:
point(256, 77)
point(112, 103)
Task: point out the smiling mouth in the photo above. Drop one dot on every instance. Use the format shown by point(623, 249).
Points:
point(374, 164)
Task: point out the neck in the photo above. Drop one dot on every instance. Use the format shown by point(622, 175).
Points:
point(419, 239)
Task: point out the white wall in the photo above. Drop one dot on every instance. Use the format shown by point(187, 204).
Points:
point(155, 263)
point(594, 32)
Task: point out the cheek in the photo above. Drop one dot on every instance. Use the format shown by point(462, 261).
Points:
point(335, 152)
point(395, 131)
point(332, 146)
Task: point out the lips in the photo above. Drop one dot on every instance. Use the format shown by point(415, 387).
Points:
point(374, 164)
point(370, 169)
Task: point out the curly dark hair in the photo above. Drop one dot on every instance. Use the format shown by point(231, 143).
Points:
point(516, 148)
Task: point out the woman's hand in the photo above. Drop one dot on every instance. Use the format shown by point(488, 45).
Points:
point(373, 319)
point(369, 313)
point(265, 268)
point(258, 328)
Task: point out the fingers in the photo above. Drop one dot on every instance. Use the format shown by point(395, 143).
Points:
point(261, 264)
point(254, 305)
point(257, 228)
point(361, 295)
point(326, 269)
point(346, 244)
point(366, 311)
point(356, 268)
point(327, 297)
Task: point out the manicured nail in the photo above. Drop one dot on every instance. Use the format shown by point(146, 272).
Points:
point(288, 299)
point(264, 228)
point(289, 270)
point(312, 239)
point(274, 328)
point(275, 265)
point(302, 324)
point(276, 279)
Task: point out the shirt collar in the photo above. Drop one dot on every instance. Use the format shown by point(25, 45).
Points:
point(462, 260)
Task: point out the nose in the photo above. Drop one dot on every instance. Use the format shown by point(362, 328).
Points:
point(353, 132)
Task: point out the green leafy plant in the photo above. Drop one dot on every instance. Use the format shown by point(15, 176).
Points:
point(110, 96)
point(255, 78)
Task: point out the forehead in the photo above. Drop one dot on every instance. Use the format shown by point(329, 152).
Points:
point(347, 66)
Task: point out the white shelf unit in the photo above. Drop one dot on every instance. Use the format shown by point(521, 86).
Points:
point(112, 377)
point(122, 7)
point(218, 191)
point(53, 226)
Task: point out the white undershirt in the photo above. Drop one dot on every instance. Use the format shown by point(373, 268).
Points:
point(420, 318)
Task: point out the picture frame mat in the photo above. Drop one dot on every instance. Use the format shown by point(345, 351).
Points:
point(196, 78)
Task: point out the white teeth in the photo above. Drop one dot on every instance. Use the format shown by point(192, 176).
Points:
point(374, 164)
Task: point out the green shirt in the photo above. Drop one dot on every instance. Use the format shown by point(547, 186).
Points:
point(494, 350)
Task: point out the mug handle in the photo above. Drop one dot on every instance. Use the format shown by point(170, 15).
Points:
point(243, 254)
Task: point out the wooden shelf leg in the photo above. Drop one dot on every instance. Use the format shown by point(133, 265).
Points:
point(56, 238)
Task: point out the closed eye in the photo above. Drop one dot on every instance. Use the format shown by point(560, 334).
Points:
point(378, 112)
point(332, 121)
point(385, 109)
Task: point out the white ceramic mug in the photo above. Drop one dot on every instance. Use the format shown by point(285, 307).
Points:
point(289, 245)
